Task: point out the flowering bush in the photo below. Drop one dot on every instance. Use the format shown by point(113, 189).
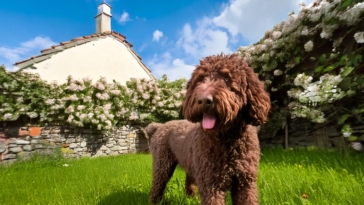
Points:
point(83, 103)
point(312, 62)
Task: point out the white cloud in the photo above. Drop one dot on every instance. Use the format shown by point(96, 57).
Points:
point(204, 40)
point(124, 18)
point(174, 68)
point(157, 34)
point(251, 18)
point(239, 22)
point(25, 50)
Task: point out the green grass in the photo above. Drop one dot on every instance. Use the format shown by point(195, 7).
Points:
point(326, 177)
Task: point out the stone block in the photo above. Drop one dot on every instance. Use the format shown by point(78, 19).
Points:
point(2, 146)
point(24, 154)
point(115, 148)
point(23, 133)
point(28, 147)
point(124, 133)
point(70, 140)
point(9, 156)
point(55, 131)
point(22, 142)
point(15, 149)
point(78, 149)
point(73, 145)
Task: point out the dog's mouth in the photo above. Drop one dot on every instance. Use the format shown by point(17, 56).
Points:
point(208, 121)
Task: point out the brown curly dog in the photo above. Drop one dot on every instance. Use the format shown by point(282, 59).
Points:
point(218, 146)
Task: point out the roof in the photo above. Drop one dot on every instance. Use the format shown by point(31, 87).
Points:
point(47, 53)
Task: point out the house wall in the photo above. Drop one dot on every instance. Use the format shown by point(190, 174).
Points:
point(106, 57)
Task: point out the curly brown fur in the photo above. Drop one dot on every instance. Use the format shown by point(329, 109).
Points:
point(219, 148)
point(150, 130)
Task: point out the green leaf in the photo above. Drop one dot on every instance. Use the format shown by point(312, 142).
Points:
point(343, 59)
point(343, 119)
point(297, 60)
point(329, 68)
point(352, 138)
point(346, 83)
point(358, 111)
point(347, 71)
point(322, 59)
point(318, 69)
point(345, 4)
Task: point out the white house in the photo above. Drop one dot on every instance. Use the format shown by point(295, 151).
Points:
point(103, 54)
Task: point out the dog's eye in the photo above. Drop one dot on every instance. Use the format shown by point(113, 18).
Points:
point(226, 79)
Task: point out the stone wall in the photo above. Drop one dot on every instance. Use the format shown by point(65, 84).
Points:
point(22, 142)
point(303, 135)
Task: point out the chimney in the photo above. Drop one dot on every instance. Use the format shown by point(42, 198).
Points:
point(103, 18)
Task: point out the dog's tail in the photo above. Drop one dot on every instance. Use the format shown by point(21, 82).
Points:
point(149, 130)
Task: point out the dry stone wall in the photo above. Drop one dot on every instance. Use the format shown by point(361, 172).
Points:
point(23, 142)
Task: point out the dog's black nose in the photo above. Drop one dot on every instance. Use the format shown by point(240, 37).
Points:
point(205, 101)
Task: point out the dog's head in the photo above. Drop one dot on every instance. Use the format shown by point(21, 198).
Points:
point(223, 92)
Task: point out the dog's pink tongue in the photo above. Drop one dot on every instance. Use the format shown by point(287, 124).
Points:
point(208, 121)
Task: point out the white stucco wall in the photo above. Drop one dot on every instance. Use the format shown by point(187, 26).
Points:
point(105, 57)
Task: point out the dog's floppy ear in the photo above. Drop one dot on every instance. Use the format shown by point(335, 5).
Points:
point(258, 99)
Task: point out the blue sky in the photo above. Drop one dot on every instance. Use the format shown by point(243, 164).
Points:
point(170, 36)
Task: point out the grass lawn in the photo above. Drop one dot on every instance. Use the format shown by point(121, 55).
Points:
point(325, 177)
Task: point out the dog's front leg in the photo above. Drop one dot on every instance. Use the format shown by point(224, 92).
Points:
point(245, 194)
point(211, 196)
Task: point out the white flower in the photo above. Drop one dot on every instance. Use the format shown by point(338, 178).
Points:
point(115, 92)
point(70, 109)
point(346, 134)
point(81, 107)
point(146, 96)
point(19, 99)
point(276, 34)
point(308, 46)
point(50, 101)
point(72, 87)
point(100, 86)
point(83, 116)
point(87, 80)
point(108, 122)
point(107, 107)
point(32, 114)
point(304, 32)
point(105, 96)
point(140, 88)
point(73, 97)
point(90, 115)
point(160, 104)
point(102, 117)
point(8, 116)
point(70, 118)
point(65, 165)
point(277, 72)
point(359, 37)
point(357, 146)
